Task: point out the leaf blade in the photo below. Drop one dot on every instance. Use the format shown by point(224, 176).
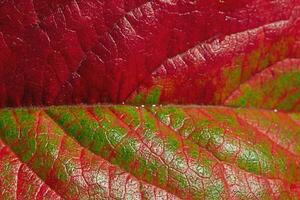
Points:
point(157, 155)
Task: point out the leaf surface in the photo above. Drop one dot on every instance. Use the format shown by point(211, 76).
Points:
point(275, 87)
point(138, 51)
point(170, 152)
point(142, 52)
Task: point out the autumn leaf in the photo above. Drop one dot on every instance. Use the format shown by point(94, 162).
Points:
point(124, 152)
point(144, 52)
point(61, 61)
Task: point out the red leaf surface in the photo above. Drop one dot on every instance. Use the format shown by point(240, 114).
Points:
point(137, 51)
point(123, 152)
point(231, 53)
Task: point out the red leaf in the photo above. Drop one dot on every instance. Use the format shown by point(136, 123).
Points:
point(66, 52)
point(233, 53)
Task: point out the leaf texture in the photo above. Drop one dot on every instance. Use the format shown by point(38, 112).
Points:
point(142, 52)
point(169, 152)
point(275, 87)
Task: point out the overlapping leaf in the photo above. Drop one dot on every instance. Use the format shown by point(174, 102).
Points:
point(231, 53)
point(124, 152)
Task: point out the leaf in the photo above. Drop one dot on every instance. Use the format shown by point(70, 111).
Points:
point(238, 54)
point(168, 152)
point(140, 52)
point(275, 87)
point(209, 73)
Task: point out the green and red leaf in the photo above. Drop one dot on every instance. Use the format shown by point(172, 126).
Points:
point(244, 55)
point(137, 51)
point(170, 152)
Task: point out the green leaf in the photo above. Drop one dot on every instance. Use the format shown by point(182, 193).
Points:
point(169, 152)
